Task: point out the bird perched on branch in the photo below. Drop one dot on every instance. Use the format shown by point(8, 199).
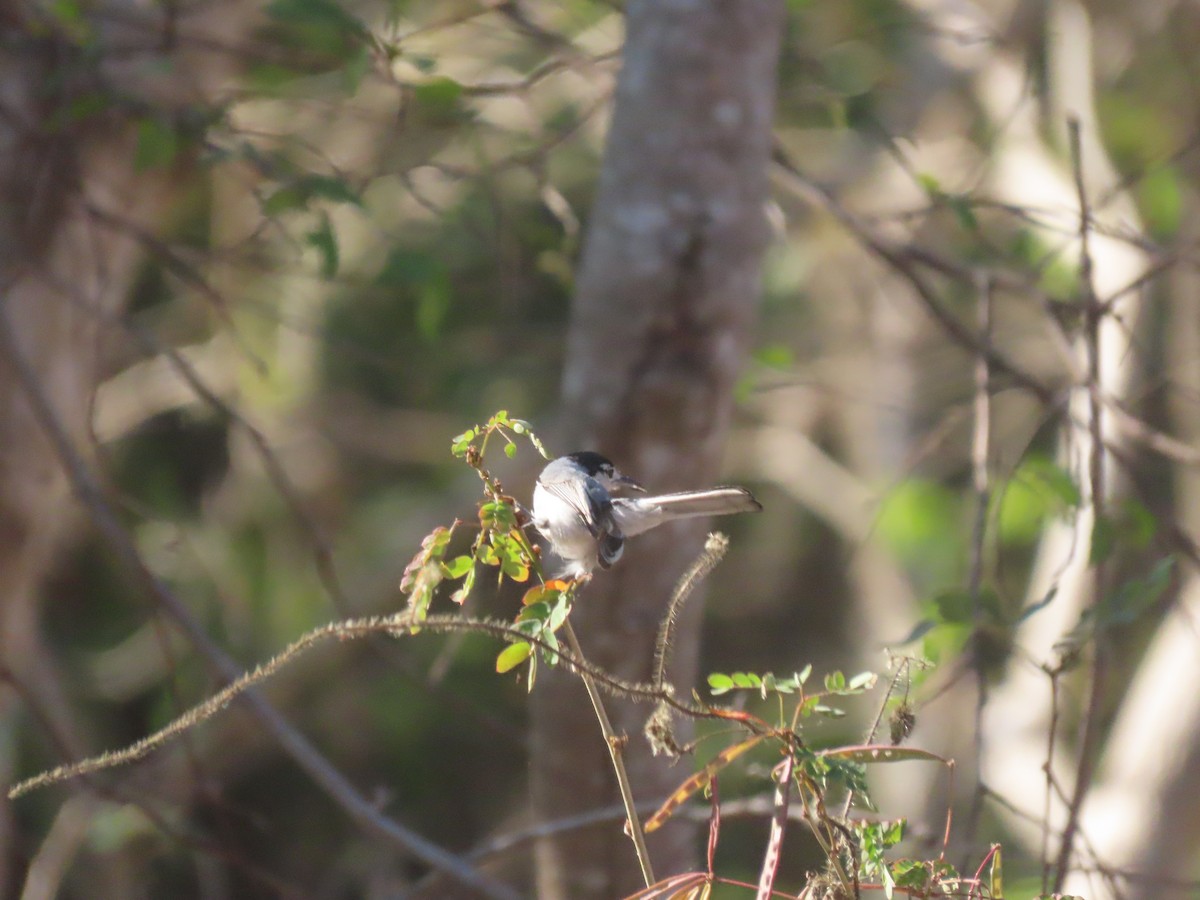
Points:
point(575, 509)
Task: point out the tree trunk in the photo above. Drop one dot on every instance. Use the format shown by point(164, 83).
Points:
point(667, 291)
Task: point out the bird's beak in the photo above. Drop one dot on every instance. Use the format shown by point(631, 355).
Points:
point(626, 481)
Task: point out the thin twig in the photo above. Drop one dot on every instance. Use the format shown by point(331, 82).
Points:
point(981, 483)
point(1048, 768)
point(1093, 314)
point(902, 261)
point(615, 743)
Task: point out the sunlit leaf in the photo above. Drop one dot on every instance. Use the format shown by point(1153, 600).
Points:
point(459, 566)
point(512, 656)
point(862, 681)
point(540, 593)
point(464, 591)
point(720, 683)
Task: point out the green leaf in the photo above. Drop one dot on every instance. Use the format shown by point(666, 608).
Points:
point(719, 683)
point(538, 612)
point(458, 567)
point(297, 194)
point(324, 12)
point(325, 241)
point(862, 681)
point(433, 548)
point(1039, 488)
point(835, 681)
point(157, 145)
point(830, 712)
point(517, 571)
point(498, 515)
point(889, 884)
point(954, 606)
point(512, 656)
point(768, 684)
point(1054, 478)
point(433, 305)
point(541, 592)
point(460, 596)
point(910, 873)
point(329, 188)
point(1161, 200)
point(286, 199)
point(802, 675)
point(558, 613)
point(775, 356)
point(510, 450)
point(961, 206)
point(461, 442)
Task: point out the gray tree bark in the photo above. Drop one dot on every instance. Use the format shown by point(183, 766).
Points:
point(667, 291)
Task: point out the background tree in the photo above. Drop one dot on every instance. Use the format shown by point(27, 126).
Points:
point(664, 303)
point(261, 261)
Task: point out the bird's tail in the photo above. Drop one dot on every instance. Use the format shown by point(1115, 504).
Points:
point(635, 515)
point(718, 501)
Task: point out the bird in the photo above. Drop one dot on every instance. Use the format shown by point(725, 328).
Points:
point(585, 524)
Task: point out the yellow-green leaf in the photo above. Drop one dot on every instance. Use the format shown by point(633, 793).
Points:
point(512, 656)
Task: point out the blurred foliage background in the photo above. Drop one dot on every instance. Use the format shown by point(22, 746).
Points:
point(368, 226)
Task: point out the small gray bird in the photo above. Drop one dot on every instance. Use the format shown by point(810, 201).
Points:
point(586, 526)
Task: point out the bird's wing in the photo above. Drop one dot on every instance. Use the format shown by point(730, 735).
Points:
point(588, 498)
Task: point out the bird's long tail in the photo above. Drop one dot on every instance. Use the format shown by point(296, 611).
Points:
point(718, 501)
point(635, 515)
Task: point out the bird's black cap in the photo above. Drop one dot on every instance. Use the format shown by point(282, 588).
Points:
point(591, 461)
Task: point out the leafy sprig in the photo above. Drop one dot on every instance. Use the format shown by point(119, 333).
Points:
point(500, 543)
